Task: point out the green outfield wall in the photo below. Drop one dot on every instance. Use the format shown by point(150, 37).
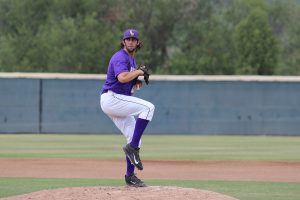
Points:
point(69, 103)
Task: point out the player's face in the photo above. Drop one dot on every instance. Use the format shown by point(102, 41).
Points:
point(130, 44)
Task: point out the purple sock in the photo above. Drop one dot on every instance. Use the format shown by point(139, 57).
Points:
point(140, 126)
point(130, 167)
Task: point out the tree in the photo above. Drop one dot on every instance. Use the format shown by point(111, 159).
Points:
point(180, 36)
point(56, 36)
point(19, 23)
point(256, 45)
point(156, 21)
point(203, 42)
point(283, 15)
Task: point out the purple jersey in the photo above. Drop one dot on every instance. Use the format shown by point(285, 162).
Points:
point(119, 62)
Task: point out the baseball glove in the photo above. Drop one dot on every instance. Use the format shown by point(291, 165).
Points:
point(146, 73)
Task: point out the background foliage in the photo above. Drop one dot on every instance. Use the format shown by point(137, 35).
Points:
point(180, 36)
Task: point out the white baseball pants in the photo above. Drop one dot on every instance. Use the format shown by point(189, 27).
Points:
point(122, 110)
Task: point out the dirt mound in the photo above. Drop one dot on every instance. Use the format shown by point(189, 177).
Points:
point(122, 193)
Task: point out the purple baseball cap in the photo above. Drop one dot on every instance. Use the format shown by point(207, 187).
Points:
point(131, 33)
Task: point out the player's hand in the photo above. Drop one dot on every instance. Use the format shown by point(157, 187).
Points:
point(146, 73)
point(138, 85)
point(141, 72)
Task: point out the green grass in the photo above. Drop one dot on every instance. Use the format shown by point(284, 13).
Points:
point(155, 147)
point(239, 189)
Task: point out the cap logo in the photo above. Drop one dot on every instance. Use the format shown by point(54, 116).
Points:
point(131, 33)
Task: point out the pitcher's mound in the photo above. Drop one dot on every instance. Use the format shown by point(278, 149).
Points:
point(124, 193)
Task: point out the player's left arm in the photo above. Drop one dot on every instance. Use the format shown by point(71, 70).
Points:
point(125, 77)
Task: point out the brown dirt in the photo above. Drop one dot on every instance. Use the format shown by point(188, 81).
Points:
point(274, 171)
point(122, 193)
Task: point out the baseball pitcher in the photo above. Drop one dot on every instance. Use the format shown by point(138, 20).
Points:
point(130, 114)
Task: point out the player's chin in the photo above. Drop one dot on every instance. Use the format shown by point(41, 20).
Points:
point(131, 49)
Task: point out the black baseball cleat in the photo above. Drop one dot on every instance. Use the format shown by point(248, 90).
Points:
point(133, 155)
point(134, 181)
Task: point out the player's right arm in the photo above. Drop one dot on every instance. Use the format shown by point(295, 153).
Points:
point(125, 77)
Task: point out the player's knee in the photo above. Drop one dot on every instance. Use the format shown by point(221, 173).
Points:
point(152, 108)
point(148, 111)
